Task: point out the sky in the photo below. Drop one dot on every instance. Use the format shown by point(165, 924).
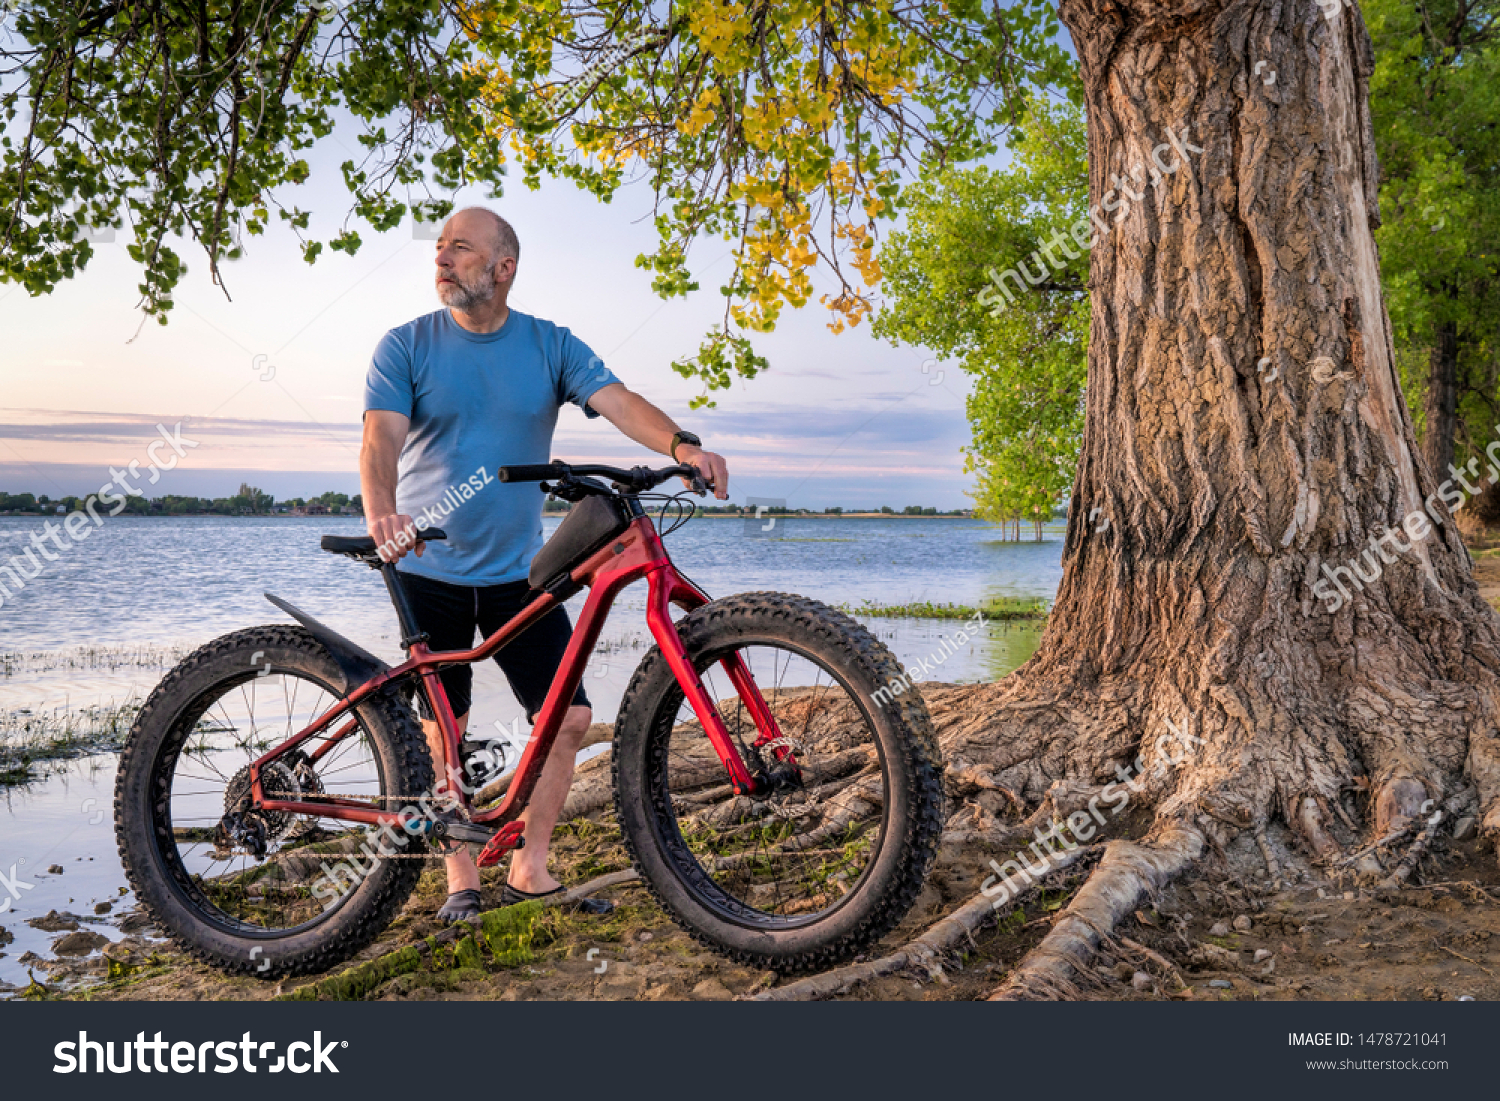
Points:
point(267, 381)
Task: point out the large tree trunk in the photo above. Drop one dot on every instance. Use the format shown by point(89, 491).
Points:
point(1244, 430)
point(1441, 404)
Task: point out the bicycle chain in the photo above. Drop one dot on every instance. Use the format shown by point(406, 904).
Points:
point(463, 811)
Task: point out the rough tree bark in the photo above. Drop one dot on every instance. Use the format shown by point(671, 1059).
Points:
point(1441, 404)
point(1244, 428)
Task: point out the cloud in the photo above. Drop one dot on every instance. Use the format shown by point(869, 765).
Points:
point(883, 443)
point(88, 426)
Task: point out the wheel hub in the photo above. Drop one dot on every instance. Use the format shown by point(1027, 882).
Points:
point(251, 829)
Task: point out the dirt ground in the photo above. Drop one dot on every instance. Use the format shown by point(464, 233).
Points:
point(1205, 938)
point(1311, 941)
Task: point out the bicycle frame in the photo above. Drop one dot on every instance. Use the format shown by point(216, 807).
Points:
point(637, 553)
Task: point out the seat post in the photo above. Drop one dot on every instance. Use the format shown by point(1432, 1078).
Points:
point(410, 636)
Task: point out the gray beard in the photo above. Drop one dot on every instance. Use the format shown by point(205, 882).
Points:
point(462, 296)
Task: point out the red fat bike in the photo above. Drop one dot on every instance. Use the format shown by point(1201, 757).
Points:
point(276, 796)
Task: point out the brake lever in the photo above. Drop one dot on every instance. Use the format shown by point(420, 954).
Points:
point(699, 486)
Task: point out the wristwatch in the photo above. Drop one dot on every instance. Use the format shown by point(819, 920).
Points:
point(683, 437)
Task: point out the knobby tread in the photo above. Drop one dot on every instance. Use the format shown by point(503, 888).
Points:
point(385, 719)
point(919, 760)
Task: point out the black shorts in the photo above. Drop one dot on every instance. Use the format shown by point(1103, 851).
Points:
point(450, 614)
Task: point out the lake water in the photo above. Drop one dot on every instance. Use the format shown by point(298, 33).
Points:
point(95, 626)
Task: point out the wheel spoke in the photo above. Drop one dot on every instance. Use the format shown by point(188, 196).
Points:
point(772, 860)
point(209, 788)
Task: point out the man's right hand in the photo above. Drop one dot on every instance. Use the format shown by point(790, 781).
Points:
point(394, 536)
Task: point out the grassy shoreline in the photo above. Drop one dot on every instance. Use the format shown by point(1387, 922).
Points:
point(1006, 609)
point(29, 738)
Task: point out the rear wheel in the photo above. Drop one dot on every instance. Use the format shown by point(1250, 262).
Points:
point(246, 890)
point(816, 871)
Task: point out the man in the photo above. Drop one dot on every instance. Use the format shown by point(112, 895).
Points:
point(450, 397)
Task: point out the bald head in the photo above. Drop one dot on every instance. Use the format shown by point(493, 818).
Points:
point(477, 223)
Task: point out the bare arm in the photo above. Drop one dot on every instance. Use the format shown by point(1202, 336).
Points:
point(650, 427)
point(384, 434)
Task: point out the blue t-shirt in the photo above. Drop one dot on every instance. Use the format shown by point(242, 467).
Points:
point(478, 401)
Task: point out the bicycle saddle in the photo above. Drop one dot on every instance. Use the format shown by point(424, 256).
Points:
point(362, 547)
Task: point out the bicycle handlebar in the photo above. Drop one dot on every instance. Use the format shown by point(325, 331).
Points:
point(530, 472)
point(635, 480)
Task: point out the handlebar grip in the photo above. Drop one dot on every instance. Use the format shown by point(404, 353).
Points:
point(530, 472)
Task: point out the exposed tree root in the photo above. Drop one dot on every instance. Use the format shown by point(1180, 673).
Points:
point(1414, 854)
point(1128, 871)
point(1154, 957)
point(923, 953)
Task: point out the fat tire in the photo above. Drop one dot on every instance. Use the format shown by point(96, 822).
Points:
point(908, 744)
point(406, 764)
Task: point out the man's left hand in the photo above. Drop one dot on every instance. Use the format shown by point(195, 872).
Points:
point(713, 468)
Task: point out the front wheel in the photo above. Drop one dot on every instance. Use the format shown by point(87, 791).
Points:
point(813, 873)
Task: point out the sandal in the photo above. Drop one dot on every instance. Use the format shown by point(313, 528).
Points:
point(596, 907)
point(461, 906)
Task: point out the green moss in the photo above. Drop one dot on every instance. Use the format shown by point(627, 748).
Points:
point(466, 953)
point(510, 931)
point(352, 985)
point(35, 991)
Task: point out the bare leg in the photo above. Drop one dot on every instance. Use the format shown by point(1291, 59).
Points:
point(528, 866)
point(463, 875)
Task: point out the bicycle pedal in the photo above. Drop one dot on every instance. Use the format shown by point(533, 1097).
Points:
point(508, 837)
point(455, 829)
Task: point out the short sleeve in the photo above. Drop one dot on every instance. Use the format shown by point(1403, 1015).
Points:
point(389, 385)
point(580, 373)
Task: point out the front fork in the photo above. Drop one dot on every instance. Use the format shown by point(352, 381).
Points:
point(663, 591)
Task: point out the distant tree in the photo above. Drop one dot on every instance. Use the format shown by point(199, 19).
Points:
point(954, 281)
point(255, 499)
point(1435, 105)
